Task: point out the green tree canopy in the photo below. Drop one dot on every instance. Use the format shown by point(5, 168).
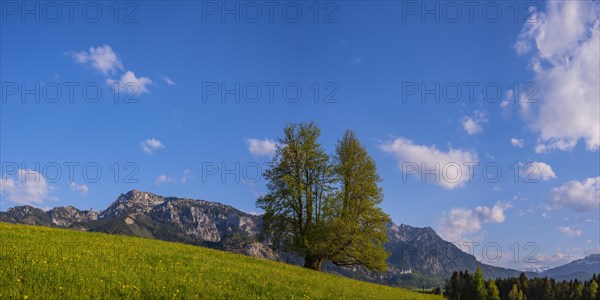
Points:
point(492, 290)
point(479, 291)
point(358, 232)
point(515, 293)
point(321, 208)
point(593, 290)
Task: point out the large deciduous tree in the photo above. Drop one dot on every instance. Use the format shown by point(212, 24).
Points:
point(321, 208)
point(359, 225)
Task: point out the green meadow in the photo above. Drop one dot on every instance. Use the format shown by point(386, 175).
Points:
point(49, 263)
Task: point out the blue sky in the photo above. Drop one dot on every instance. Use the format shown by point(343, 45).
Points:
point(527, 78)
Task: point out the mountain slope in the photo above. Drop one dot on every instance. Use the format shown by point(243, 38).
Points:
point(148, 215)
point(582, 269)
point(51, 263)
point(421, 249)
point(427, 257)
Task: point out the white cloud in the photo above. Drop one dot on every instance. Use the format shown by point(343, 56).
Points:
point(168, 80)
point(459, 224)
point(593, 250)
point(578, 196)
point(552, 260)
point(129, 83)
point(28, 188)
point(107, 62)
point(164, 179)
point(82, 189)
point(150, 145)
point(568, 231)
point(507, 101)
point(492, 215)
point(556, 144)
point(565, 60)
point(185, 177)
point(264, 147)
point(472, 125)
point(452, 168)
point(536, 171)
point(517, 143)
point(103, 59)
point(508, 97)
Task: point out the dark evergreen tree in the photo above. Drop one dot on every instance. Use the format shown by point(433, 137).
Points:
point(478, 284)
point(492, 290)
point(592, 293)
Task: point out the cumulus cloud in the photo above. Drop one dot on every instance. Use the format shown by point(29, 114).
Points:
point(568, 231)
point(103, 59)
point(472, 125)
point(150, 145)
point(129, 83)
point(164, 179)
point(185, 177)
point(517, 143)
point(107, 62)
point(264, 147)
point(579, 196)
point(460, 224)
point(453, 168)
point(28, 188)
point(536, 171)
point(565, 58)
point(556, 144)
point(81, 188)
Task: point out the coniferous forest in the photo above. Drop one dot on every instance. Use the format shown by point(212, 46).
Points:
point(467, 286)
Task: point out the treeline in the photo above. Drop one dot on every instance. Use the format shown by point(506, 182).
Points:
point(465, 286)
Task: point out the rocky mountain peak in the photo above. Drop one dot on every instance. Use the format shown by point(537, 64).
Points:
point(407, 233)
point(132, 202)
point(67, 216)
point(141, 197)
point(25, 215)
point(592, 259)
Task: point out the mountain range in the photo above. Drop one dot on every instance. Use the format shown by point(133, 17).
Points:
point(581, 269)
point(418, 256)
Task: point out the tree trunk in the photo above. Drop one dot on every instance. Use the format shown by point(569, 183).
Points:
point(313, 263)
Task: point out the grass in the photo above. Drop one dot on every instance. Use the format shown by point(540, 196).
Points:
point(50, 263)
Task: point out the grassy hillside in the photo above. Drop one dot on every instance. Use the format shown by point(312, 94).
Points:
point(41, 262)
